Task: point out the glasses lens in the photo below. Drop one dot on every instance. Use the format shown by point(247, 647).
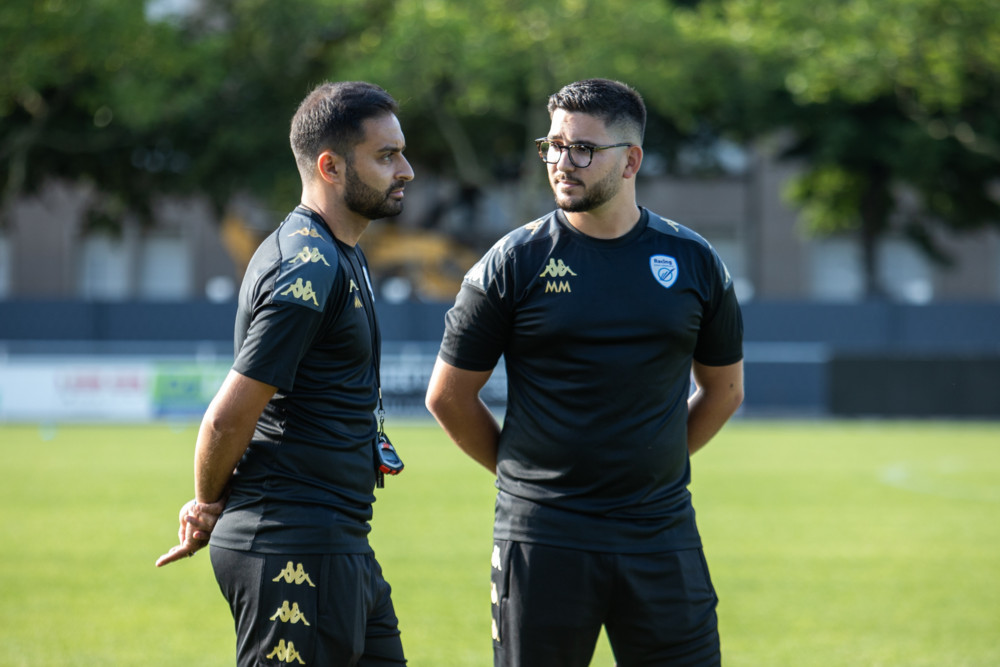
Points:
point(549, 151)
point(581, 155)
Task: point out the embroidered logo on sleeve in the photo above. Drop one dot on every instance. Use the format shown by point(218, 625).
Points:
point(664, 269)
point(302, 290)
point(309, 255)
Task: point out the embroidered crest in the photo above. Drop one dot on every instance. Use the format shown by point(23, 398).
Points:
point(664, 269)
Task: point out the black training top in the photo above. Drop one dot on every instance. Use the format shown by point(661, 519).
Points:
point(305, 324)
point(598, 338)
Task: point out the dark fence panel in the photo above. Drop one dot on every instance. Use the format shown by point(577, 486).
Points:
point(874, 358)
point(907, 385)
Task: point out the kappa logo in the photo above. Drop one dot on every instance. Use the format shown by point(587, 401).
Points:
point(301, 290)
point(495, 559)
point(291, 614)
point(533, 226)
point(293, 574)
point(357, 298)
point(306, 231)
point(307, 255)
point(494, 596)
point(286, 653)
point(556, 268)
point(664, 269)
point(673, 224)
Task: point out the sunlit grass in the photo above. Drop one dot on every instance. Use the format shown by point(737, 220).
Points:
point(830, 543)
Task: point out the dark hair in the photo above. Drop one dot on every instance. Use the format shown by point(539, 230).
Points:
point(331, 118)
point(615, 103)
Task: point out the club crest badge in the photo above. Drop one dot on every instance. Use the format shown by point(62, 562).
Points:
point(664, 269)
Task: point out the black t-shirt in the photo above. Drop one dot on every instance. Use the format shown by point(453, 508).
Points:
point(598, 338)
point(305, 323)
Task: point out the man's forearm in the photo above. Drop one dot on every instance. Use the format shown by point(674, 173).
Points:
point(216, 455)
point(473, 428)
point(718, 397)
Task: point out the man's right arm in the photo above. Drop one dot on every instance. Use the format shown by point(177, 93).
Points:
point(453, 399)
point(225, 433)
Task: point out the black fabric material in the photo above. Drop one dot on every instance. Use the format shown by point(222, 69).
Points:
point(549, 605)
point(598, 337)
point(292, 609)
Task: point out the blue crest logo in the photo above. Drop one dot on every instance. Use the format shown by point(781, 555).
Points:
point(664, 269)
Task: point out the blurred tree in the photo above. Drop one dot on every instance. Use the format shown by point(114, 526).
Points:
point(185, 103)
point(886, 100)
point(61, 113)
point(894, 107)
point(475, 79)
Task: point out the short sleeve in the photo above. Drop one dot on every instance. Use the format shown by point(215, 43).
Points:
point(279, 336)
point(720, 339)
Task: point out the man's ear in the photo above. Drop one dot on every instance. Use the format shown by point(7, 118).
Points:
point(633, 163)
point(331, 167)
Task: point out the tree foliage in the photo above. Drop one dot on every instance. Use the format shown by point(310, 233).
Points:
point(887, 101)
point(895, 109)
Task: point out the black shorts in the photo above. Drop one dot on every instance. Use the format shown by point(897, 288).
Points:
point(302, 609)
point(549, 605)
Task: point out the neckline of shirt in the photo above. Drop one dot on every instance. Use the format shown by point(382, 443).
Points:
point(624, 239)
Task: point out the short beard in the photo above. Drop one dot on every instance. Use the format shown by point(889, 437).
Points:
point(368, 202)
point(594, 196)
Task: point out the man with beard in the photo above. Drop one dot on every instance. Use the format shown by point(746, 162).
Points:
point(602, 311)
point(287, 448)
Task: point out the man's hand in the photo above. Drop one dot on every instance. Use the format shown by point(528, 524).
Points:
point(197, 520)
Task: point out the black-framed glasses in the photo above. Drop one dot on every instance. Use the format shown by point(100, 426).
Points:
point(580, 155)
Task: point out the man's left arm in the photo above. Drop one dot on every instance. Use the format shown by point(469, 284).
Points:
point(718, 395)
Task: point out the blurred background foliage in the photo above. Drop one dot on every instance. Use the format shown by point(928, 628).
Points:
point(891, 106)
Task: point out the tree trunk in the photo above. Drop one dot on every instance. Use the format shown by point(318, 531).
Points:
point(875, 205)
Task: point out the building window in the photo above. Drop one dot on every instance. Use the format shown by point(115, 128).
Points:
point(104, 269)
point(835, 270)
point(904, 272)
point(164, 270)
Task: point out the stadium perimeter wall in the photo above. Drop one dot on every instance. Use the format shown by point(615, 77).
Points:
point(84, 360)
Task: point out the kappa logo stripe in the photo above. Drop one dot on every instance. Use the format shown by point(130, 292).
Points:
point(495, 558)
point(357, 297)
point(286, 653)
point(294, 574)
point(306, 231)
point(307, 255)
point(556, 269)
point(291, 614)
point(301, 290)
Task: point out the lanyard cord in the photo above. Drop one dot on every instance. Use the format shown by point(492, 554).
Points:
point(369, 306)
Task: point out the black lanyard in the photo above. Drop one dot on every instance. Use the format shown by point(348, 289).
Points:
point(369, 307)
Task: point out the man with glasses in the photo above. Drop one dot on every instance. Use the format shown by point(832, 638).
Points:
point(602, 311)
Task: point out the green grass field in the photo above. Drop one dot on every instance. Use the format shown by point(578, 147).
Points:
point(830, 543)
